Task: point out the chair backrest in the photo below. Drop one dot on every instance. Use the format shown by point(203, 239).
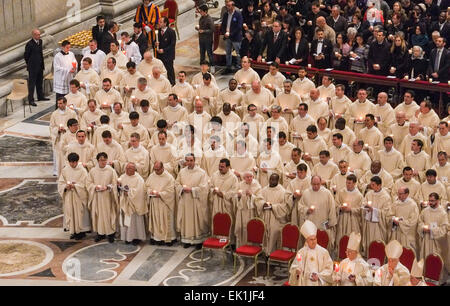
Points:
point(173, 8)
point(221, 224)
point(407, 258)
point(376, 250)
point(322, 238)
point(20, 86)
point(165, 13)
point(289, 236)
point(343, 247)
point(433, 267)
point(255, 231)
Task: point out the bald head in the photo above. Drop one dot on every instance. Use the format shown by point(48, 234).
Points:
point(148, 56)
point(320, 21)
point(36, 34)
point(156, 71)
point(314, 94)
point(400, 117)
point(382, 98)
point(256, 86)
point(316, 181)
point(158, 167)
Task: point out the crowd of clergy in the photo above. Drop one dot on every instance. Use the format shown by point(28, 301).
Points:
point(139, 159)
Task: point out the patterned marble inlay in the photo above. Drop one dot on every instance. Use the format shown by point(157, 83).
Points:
point(18, 149)
point(30, 201)
point(153, 264)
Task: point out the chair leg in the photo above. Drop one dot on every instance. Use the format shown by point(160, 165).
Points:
point(6, 101)
point(224, 257)
point(234, 264)
point(23, 108)
point(256, 266)
point(268, 268)
point(178, 33)
point(202, 255)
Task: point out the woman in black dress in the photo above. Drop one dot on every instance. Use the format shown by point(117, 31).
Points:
point(298, 48)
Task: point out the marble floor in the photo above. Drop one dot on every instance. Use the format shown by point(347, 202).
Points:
point(34, 249)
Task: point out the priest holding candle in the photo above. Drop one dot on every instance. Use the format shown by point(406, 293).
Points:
point(65, 67)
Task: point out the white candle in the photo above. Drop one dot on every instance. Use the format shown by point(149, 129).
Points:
point(425, 227)
point(430, 80)
point(61, 126)
point(298, 14)
point(312, 207)
point(369, 203)
point(197, 27)
point(89, 129)
point(119, 180)
point(68, 182)
point(345, 205)
point(240, 191)
point(156, 34)
point(366, 145)
point(297, 191)
point(309, 65)
point(216, 189)
point(227, 34)
point(406, 77)
point(184, 186)
point(98, 187)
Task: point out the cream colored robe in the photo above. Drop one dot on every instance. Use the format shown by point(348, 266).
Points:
point(398, 133)
point(303, 87)
point(228, 185)
point(77, 102)
point(373, 229)
point(115, 119)
point(386, 180)
point(399, 278)
point(272, 162)
point(264, 100)
point(280, 125)
point(198, 79)
point(148, 94)
point(231, 122)
point(324, 212)
point(443, 174)
point(141, 158)
point(147, 68)
point(246, 76)
point(298, 127)
point(61, 150)
point(339, 107)
point(133, 207)
point(338, 154)
point(429, 121)
point(185, 94)
point(114, 75)
point(410, 110)
point(245, 209)
point(161, 212)
point(348, 221)
point(313, 148)
point(358, 268)
point(285, 152)
point(338, 181)
point(275, 217)
point(358, 111)
point(392, 162)
point(413, 186)
point(97, 137)
point(373, 137)
point(326, 172)
point(149, 120)
point(419, 162)
point(275, 80)
point(91, 79)
point(318, 108)
point(185, 148)
point(167, 155)
point(405, 147)
point(162, 88)
point(84, 151)
point(242, 163)
point(255, 124)
point(315, 260)
point(104, 205)
point(176, 114)
point(234, 97)
point(171, 138)
point(294, 185)
point(193, 217)
point(288, 101)
point(251, 142)
point(211, 159)
point(359, 163)
point(426, 189)
point(405, 232)
point(115, 154)
point(129, 129)
point(386, 115)
point(348, 135)
point(326, 135)
point(291, 169)
point(89, 118)
point(211, 92)
point(105, 100)
point(74, 201)
point(121, 60)
point(441, 143)
point(327, 92)
point(200, 122)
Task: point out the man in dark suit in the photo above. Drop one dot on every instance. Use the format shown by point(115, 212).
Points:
point(99, 30)
point(166, 47)
point(34, 58)
point(442, 26)
point(321, 50)
point(439, 61)
point(140, 38)
point(336, 21)
point(379, 56)
point(231, 29)
point(276, 42)
point(109, 37)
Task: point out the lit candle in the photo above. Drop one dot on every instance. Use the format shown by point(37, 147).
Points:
point(244, 25)
point(360, 118)
point(366, 145)
point(263, 60)
point(369, 203)
point(425, 227)
point(336, 268)
point(345, 205)
point(68, 182)
point(298, 14)
point(184, 186)
point(349, 169)
point(71, 106)
point(240, 191)
point(336, 114)
point(61, 126)
point(119, 180)
point(410, 51)
point(197, 27)
point(297, 191)
point(406, 77)
point(89, 129)
point(425, 203)
point(397, 219)
point(312, 207)
point(430, 80)
point(133, 97)
point(81, 83)
point(309, 65)
point(287, 62)
point(216, 189)
point(227, 34)
point(98, 187)
point(299, 257)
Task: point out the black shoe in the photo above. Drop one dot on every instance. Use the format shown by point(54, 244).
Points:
point(82, 235)
point(32, 103)
point(99, 238)
point(186, 245)
point(233, 247)
point(152, 242)
point(127, 242)
point(78, 236)
point(135, 242)
point(43, 99)
point(72, 236)
point(160, 243)
point(199, 246)
point(169, 244)
point(111, 238)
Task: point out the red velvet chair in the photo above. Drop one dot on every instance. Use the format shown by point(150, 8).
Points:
point(172, 6)
point(255, 237)
point(407, 258)
point(377, 250)
point(343, 247)
point(221, 234)
point(322, 238)
point(290, 235)
point(433, 269)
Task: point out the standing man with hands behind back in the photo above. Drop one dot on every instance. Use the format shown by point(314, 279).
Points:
point(34, 59)
point(165, 47)
point(205, 30)
point(232, 33)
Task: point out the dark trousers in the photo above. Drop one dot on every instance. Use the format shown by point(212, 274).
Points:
point(58, 96)
point(206, 47)
point(170, 72)
point(35, 80)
